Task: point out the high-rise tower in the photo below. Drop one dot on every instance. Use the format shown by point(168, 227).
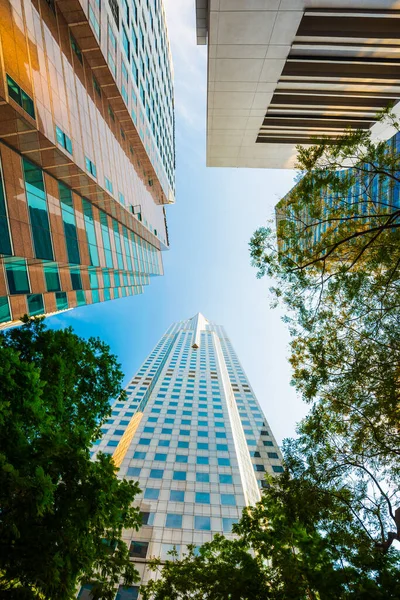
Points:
point(86, 151)
point(194, 436)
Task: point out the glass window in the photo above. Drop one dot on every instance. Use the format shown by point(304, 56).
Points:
point(272, 455)
point(177, 496)
point(20, 97)
point(156, 474)
point(147, 518)
point(179, 476)
point(119, 432)
point(133, 471)
point(173, 520)
point(220, 434)
point(138, 549)
point(148, 429)
point(113, 443)
point(151, 493)
point(160, 457)
point(127, 592)
point(35, 304)
point(202, 433)
point(267, 443)
point(224, 462)
point(202, 523)
point(224, 478)
point(181, 458)
point(183, 444)
point(140, 455)
point(184, 432)
point(202, 446)
point(165, 443)
point(166, 430)
point(38, 214)
point(203, 477)
point(202, 460)
point(202, 498)
point(227, 524)
point(228, 500)
point(277, 469)
point(144, 442)
point(222, 447)
point(259, 468)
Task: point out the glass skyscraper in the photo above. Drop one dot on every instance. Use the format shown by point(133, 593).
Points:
point(87, 156)
point(194, 436)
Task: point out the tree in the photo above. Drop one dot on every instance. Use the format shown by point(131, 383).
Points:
point(336, 269)
point(300, 542)
point(61, 514)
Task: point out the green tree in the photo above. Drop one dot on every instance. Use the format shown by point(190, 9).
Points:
point(336, 270)
point(61, 515)
point(302, 541)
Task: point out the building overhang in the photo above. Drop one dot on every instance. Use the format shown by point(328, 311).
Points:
point(288, 73)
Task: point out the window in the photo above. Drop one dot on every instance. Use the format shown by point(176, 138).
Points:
point(127, 592)
point(224, 478)
point(133, 471)
point(160, 457)
point(179, 476)
point(203, 477)
point(94, 22)
point(156, 474)
point(202, 446)
point(228, 500)
point(151, 493)
point(119, 432)
point(138, 549)
point(255, 454)
point(90, 167)
point(184, 432)
point(76, 49)
point(173, 520)
point(224, 462)
point(202, 434)
point(147, 518)
point(202, 498)
point(96, 86)
point(227, 524)
point(272, 455)
point(63, 140)
point(164, 443)
point(35, 304)
point(148, 429)
point(124, 423)
point(177, 496)
point(144, 442)
point(109, 185)
point(183, 444)
point(267, 443)
point(166, 430)
point(202, 460)
point(220, 434)
point(181, 458)
point(139, 455)
point(277, 469)
point(202, 523)
point(259, 468)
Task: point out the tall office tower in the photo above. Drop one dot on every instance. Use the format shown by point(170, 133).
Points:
point(194, 436)
point(281, 72)
point(86, 151)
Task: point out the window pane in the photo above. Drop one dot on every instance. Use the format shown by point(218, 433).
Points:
point(202, 523)
point(138, 549)
point(174, 520)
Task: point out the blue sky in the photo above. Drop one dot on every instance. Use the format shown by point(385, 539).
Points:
point(207, 268)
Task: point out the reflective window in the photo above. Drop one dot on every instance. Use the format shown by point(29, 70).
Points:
point(173, 520)
point(177, 496)
point(202, 523)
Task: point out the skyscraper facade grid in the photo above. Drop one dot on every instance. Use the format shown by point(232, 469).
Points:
point(193, 434)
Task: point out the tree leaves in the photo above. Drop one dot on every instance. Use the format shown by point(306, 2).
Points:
point(57, 506)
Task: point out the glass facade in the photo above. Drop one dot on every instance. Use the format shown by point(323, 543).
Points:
point(198, 450)
point(86, 173)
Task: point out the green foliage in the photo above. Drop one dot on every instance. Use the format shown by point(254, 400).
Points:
point(58, 508)
point(302, 541)
point(336, 271)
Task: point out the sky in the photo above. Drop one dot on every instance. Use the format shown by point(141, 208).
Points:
point(207, 268)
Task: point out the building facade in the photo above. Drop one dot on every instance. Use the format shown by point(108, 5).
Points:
point(86, 151)
point(194, 436)
point(282, 72)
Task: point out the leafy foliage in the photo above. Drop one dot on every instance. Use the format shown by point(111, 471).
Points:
point(61, 514)
point(336, 269)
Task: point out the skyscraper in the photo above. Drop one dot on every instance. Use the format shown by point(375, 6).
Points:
point(194, 436)
point(281, 72)
point(86, 151)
